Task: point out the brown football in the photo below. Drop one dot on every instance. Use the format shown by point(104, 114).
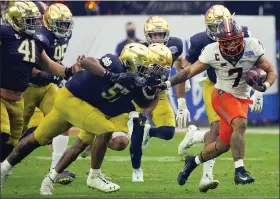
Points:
point(254, 74)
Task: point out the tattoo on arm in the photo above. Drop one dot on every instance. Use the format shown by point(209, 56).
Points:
point(182, 76)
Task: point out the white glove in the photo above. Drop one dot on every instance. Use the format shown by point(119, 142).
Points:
point(187, 85)
point(257, 105)
point(183, 114)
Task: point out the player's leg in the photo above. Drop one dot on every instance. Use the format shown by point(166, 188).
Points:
point(60, 142)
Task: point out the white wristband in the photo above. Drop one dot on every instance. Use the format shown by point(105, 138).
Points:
point(168, 84)
point(267, 84)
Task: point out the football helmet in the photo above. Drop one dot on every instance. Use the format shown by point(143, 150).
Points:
point(22, 16)
point(156, 25)
point(230, 37)
point(215, 15)
point(137, 58)
point(161, 60)
point(58, 19)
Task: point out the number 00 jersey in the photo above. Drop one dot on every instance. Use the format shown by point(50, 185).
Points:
point(231, 78)
point(19, 54)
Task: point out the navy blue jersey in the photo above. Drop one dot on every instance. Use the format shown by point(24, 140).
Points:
point(19, 54)
point(198, 42)
point(111, 99)
point(54, 47)
point(174, 44)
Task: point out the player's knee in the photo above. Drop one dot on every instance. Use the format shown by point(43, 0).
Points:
point(79, 146)
point(28, 132)
point(167, 132)
point(239, 125)
point(119, 141)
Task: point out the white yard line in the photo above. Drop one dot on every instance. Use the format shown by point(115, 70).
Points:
point(144, 158)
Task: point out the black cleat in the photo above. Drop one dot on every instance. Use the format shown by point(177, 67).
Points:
point(243, 177)
point(190, 165)
point(65, 178)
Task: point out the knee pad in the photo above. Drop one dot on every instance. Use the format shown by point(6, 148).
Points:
point(4, 138)
point(28, 132)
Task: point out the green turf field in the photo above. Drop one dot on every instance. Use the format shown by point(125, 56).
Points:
point(161, 166)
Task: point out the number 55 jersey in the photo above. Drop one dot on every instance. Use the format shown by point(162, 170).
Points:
point(231, 75)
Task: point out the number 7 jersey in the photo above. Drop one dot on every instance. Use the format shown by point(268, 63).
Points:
point(231, 78)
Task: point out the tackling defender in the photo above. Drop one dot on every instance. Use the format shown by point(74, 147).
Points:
point(95, 109)
point(232, 57)
point(40, 95)
point(25, 51)
point(213, 17)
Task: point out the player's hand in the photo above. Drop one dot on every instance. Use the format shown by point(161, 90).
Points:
point(130, 80)
point(77, 66)
point(183, 114)
point(258, 84)
point(257, 105)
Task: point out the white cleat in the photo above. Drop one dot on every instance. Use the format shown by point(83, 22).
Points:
point(99, 182)
point(146, 136)
point(207, 183)
point(86, 152)
point(188, 140)
point(47, 186)
point(137, 175)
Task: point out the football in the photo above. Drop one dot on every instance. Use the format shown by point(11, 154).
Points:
point(254, 74)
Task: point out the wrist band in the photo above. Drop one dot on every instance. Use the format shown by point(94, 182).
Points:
point(68, 72)
point(168, 84)
point(267, 84)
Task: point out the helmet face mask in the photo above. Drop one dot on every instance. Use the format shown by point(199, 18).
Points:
point(58, 19)
point(156, 30)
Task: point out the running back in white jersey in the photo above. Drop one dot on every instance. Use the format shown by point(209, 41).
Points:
point(231, 78)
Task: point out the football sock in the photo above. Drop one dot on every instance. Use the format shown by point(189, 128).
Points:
point(53, 174)
point(239, 166)
point(197, 161)
point(5, 167)
point(163, 132)
point(136, 144)
point(94, 171)
point(208, 168)
point(59, 144)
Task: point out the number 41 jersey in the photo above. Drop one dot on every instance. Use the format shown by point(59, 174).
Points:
point(231, 78)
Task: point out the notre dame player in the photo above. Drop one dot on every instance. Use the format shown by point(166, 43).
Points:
point(96, 100)
point(156, 30)
point(40, 95)
point(21, 50)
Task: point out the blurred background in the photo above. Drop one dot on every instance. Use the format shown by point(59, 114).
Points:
point(102, 27)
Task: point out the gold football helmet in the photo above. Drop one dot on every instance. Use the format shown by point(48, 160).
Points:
point(22, 16)
point(58, 19)
point(156, 25)
point(162, 59)
point(215, 15)
point(137, 58)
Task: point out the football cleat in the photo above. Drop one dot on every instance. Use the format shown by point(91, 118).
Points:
point(47, 186)
point(146, 136)
point(188, 140)
point(190, 165)
point(66, 177)
point(99, 182)
point(243, 178)
point(86, 152)
point(105, 176)
point(137, 175)
point(207, 183)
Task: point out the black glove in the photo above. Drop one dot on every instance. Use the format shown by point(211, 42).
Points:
point(129, 80)
point(43, 79)
point(160, 87)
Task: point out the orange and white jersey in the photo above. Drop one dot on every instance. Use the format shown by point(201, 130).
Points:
point(231, 78)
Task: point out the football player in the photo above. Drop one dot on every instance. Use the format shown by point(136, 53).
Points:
point(21, 50)
point(231, 57)
point(156, 30)
point(40, 95)
point(95, 109)
point(213, 17)
point(162, 60)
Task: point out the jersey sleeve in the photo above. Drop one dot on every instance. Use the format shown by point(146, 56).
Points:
point(194, 51)
point(112, 63)
point(257, 47)
point(206, 56)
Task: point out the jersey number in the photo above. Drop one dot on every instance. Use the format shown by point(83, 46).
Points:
point(59, 52)
point(239, 72)
point(27, 48)
point(114, 93)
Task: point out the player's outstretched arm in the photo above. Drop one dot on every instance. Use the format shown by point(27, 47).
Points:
point(57, 69)
point(92, 65)
point(267, 66)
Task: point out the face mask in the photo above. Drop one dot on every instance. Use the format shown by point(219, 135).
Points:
point(130, 33)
